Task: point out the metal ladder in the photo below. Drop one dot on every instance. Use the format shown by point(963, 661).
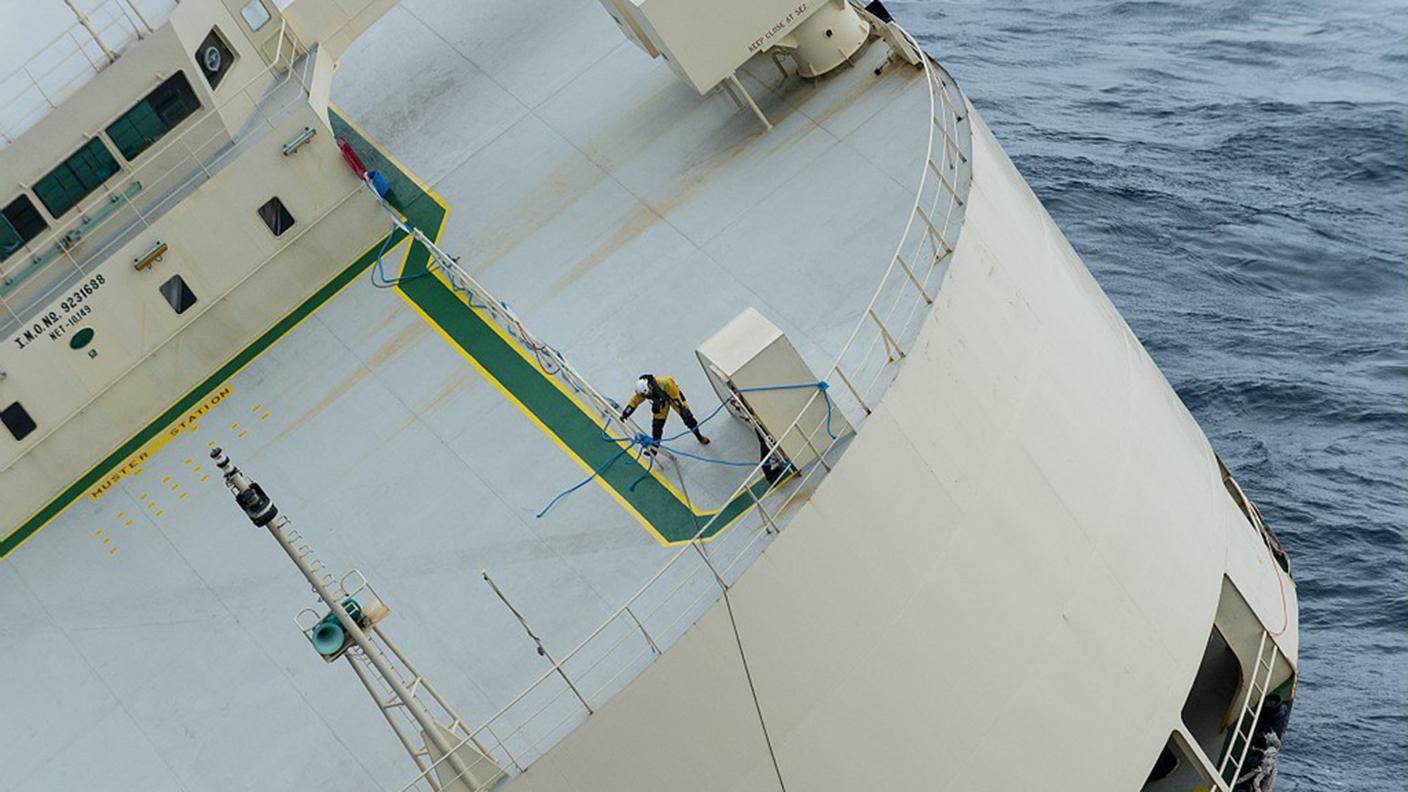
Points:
point(304, 552)
point(1241, 742)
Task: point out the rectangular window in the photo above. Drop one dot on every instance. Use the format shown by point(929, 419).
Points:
point(19, 223)
point(17, 420)
point(255, 15)
point(178, 294)
point(63, 187)
point(150, 119)
point(276, 216)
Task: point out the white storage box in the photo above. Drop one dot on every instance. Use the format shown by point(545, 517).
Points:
point(750, 362)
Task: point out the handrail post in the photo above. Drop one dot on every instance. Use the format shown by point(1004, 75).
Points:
point(83, 20)
point(890, 342)
point(820, 457)
point(910, 273)
point(771, 526)
point(653, 647)
point(852, 389)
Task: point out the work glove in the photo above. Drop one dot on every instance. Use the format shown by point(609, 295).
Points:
point(626, 413)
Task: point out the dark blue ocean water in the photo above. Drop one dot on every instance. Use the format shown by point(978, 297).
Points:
point(1235, 173)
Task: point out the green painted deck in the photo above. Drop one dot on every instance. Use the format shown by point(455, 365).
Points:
point(659, 508)
point(641, 489)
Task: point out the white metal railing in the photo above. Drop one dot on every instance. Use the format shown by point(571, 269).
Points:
point(171, 169)
point(549, 360)
point(95, 38)
point(695, 575)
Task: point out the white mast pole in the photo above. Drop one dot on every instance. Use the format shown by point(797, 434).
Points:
point(261, 511)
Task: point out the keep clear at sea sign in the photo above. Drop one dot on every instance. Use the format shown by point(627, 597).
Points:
point(135, 462)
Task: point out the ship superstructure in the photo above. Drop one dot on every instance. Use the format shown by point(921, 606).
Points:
point(405, 263)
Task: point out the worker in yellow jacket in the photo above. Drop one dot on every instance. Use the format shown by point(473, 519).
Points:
point(663, 394)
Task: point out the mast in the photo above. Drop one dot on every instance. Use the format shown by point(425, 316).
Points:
point(349, 629)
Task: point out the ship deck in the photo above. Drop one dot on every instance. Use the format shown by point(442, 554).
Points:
point(625, 219)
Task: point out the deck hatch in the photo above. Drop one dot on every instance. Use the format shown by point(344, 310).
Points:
point(16, 419)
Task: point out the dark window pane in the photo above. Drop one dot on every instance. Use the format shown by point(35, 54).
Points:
point(17, 420)
point(178, 294)
point(64, 186)
point(19, 223)
point(214, 57)
point(276, 216)
point(150, 119)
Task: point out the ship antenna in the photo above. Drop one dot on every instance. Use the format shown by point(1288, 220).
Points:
point(349, 629)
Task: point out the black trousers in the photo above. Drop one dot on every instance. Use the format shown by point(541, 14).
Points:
point(657, 422)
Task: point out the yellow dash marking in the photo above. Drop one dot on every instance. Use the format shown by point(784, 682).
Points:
point(197, 469)
point(242, 434)
point(206, 476)
point(161, 512)
point(175, 487)
point(138, 472)
point(98, 532)
point(165, 479)
point(144, 496)
point(112, 551)
point(189, 460)
point(211, 444)
point(264, 417)
point(109, 539)
point(121, 514)
point(234, 426)
point(183, 496)
point(129, 523)
point(256, 408)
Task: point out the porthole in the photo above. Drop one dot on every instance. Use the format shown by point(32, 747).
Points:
point(214, 57)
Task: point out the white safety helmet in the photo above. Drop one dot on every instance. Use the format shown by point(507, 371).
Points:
point(643, 386)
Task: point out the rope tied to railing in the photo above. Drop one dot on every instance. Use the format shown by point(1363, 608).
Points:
point(648, 446)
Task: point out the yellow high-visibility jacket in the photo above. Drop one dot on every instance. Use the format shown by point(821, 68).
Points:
point(668, 394)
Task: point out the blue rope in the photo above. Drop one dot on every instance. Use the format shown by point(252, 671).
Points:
point(822, 386)
point(584, 482)
point(644, 442)
point(379, 277)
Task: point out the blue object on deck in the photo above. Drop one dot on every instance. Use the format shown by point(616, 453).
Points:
point(378, 183)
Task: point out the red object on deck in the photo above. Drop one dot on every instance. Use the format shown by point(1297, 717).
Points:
point(352, 159)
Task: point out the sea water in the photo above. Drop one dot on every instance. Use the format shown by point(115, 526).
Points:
point(1234, 173)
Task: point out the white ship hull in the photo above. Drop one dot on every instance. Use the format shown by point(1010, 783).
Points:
point(1023, 569)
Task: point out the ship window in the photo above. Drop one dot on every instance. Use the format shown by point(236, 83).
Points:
point(150, 119)
point(255, 15)
point(178, 294)
point(16, 419)
point(276, 216)
point(19, 223)
point(63, 187)
point(214, 57)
